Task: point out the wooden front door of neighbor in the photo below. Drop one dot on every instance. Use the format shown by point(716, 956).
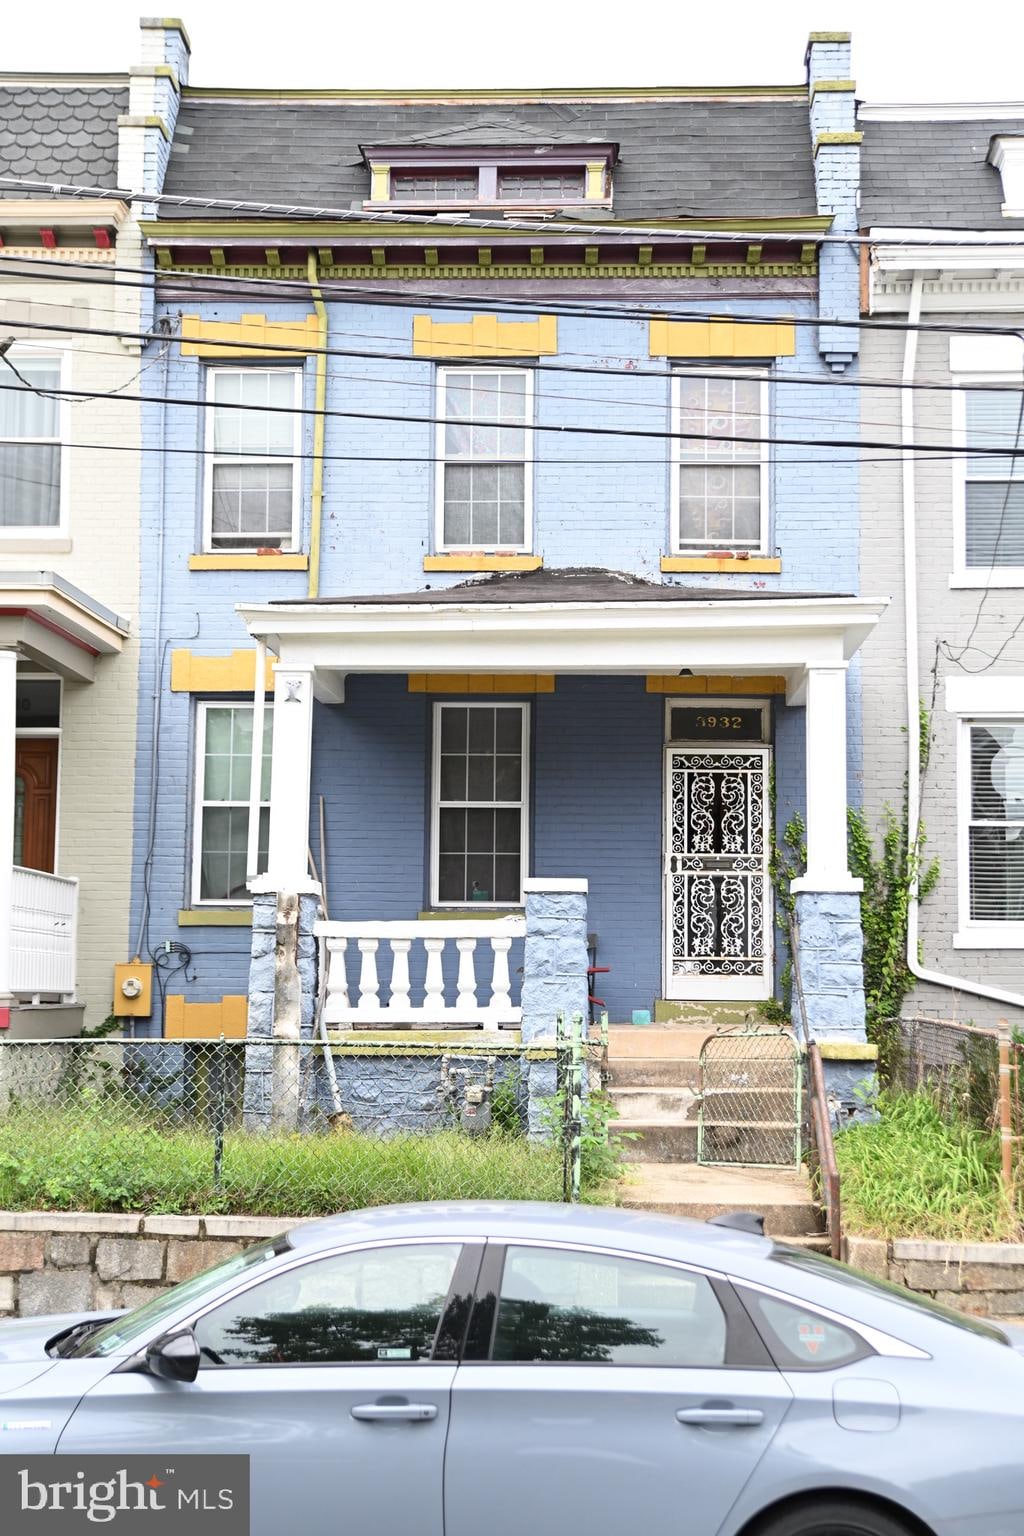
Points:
point(35, 801)
point(718, 900)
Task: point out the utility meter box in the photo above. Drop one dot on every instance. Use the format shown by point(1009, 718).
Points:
point(133, 990)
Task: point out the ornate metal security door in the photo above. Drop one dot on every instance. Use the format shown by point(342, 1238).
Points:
point(718, 909)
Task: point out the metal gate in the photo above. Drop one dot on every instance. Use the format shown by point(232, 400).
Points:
point(751, 1084)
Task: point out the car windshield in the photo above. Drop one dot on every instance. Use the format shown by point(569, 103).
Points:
point(828, 1269)
point(113, 1337)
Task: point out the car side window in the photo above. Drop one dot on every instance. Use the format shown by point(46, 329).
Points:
point(800, 1339)
point(379, 1305)
point(589, 1308)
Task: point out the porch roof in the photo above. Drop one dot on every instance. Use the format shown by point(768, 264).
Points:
point(47, 620)
point(574, 621)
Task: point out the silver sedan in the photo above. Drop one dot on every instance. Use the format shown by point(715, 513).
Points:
point(531, 1370)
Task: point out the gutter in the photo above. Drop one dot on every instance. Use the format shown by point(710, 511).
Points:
point(921, 972)
point(316, 499)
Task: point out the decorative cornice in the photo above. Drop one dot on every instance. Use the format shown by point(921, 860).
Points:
point(225, 231)
point(510, 94)
point(556, 270)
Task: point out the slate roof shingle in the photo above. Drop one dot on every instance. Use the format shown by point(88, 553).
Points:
point(59, 133)
point(726, 158)
point(933, 173)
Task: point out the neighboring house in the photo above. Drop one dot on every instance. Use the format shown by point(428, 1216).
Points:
point(69, 529)
point(943, 202)
point(519, 668)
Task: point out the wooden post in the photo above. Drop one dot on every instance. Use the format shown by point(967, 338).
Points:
point(1005, 1109)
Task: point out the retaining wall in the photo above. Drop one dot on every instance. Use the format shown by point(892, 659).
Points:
point(984, 1278)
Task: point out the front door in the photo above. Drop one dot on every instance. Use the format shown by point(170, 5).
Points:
point(718, 906)
point(35, 801)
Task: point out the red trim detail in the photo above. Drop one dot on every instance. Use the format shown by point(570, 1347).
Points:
point(102, 238)
point(5, 1018)
point(48, 238)
point(35, 618)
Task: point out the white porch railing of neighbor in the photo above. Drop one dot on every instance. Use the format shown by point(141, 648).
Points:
point(357, 953)
point(44, 934)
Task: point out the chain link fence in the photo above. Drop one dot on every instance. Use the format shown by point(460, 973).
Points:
point(293, 1128)
point(957, 1063)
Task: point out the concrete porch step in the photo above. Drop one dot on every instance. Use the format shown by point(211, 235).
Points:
point(658, 1139)
point(782, 1196)
point(639, 1103)
point(653, 1072)
point(674, 1042)
point(668, 1010)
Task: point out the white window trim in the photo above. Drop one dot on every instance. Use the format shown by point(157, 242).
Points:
point(678, 547)
point(526, 547)
point(970, 933)
point(294, 544)
point(27, 537)
point(973, 576)
point(199, 801)
point(435, 800)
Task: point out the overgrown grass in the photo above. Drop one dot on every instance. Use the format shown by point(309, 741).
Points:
point(916, 1172)
point(75, 1160)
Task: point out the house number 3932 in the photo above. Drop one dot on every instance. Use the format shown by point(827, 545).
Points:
point(720, 722)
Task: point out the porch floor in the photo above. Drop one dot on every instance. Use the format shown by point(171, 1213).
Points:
point(782, 1196)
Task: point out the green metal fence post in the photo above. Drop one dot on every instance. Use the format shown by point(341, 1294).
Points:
point(576, 1107)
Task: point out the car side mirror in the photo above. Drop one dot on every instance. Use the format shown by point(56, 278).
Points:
point(174, 1357)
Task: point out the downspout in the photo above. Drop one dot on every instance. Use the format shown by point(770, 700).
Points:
point(316, 500)
point(921, 972)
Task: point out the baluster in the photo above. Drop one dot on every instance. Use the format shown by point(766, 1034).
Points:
point(369, 1002)
point(400, 976)
point(337, 982)
point(433, 991)
point(501, 985)
point(467, 976)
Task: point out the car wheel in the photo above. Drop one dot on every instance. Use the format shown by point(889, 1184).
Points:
point(832, 1517)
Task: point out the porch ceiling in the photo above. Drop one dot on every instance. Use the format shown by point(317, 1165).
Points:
point(50, 622)
point(594, 623)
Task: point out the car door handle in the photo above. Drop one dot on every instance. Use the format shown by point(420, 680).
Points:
point(737, 1416)
point(375, 1413)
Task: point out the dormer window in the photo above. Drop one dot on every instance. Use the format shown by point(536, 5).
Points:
point(542, 176)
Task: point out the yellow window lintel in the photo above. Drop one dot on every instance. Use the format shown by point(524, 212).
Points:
point(281, 338)
point(709, 683)
point(481, 682)
point(757, 565)
point(484, 336)
point(472, 562)
point(722, 338)
point(205, 1021)
point(234, 673)
point(248, 562)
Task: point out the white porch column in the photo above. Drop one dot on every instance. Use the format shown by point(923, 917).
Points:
point(827, 868)
point(288, 863)
point(8, 671)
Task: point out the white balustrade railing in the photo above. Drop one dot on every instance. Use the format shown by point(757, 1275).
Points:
point(358, 953)
point(44, 934)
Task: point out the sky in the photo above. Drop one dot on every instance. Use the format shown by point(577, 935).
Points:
point(904, 50)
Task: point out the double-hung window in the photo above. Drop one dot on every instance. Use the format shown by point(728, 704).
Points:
point(480, 798)
point(221, 835)
point(253, 469)
point(992, 829)
point(484, 448)
point(991, 489)
point(31, 471)
point(720, 467)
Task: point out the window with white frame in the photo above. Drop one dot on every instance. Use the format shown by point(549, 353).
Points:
point(480, 798)
point(993, 489)
point(720, 471)
point(30, 443)
point(992, 821)
point(484, 447)
point(221, 835)
point(253, 468)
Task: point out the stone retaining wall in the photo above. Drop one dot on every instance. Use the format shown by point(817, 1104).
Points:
point(84, 1261)
point(984, 1278)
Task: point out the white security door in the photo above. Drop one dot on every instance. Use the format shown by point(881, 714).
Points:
point(718, 903)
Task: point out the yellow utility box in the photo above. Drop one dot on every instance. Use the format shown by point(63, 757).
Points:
point(133, 990)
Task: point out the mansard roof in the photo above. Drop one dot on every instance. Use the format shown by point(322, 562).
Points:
point(741, 155)
point(60, 128)
point(933, 172)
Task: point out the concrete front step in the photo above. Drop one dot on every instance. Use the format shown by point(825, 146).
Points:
point(668, 1137)
point(669, 1010)
point(653, 1140)
point(679, 1042)
point(782, 1197)
point(641, 1102)
point(653, 1072)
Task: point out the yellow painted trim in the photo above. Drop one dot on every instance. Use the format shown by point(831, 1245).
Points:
point(128, 121)
point(234, 673)
point(829, 37)
point(481, 682)
point(213, 338)
point(205, 1021)
point(721, 338)
point(825, 139)
point(459, 914)
point(316, 499)
point(380, 183)
point(597, 171)
point(482, 562)
point(847, 1050)
point(757, 565)
point(484, 336)
point(710, 684)
point(818, 86)
point(248, 562)
point(215, 917)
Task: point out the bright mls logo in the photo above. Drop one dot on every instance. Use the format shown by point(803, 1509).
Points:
point(46, 1495)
